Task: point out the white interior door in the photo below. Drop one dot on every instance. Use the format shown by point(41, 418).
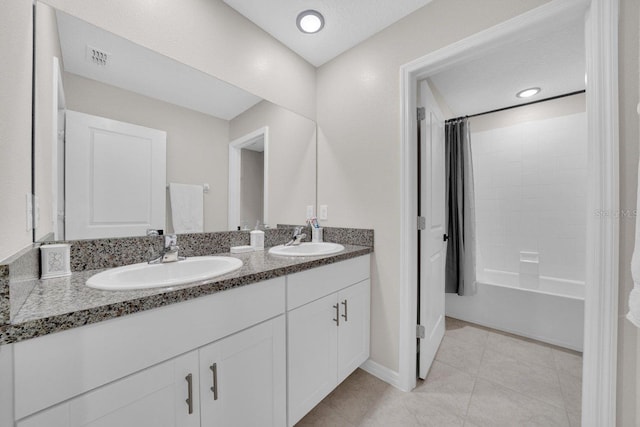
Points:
point(115, 176)
point(432, 244)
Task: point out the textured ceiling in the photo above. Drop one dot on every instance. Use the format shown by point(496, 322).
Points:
point(347, 22)
point(554, 61)
point(140, 70)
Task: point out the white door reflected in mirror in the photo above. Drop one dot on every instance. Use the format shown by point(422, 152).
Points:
point(115, 177)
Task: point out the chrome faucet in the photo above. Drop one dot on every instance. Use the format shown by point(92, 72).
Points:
point(297, 237)
point(170, 251)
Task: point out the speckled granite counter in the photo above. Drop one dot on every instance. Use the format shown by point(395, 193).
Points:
point(59, 304)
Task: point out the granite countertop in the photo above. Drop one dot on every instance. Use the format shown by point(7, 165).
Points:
point(64, 303)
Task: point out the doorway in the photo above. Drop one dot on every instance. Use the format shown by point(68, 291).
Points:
point(249, 180)
point(602, 261)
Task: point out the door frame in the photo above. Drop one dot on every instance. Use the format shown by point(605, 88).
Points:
point(601, 296)
point(235, 155)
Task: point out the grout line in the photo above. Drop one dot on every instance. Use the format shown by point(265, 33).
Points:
point(562, 393)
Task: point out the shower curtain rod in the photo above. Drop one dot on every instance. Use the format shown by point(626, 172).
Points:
point(527, 103)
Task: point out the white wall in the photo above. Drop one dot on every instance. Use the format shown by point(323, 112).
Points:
point(211, 37)
point(197, 143)
point(531, 195)
point(359, 138)
point(291, 159)
point(15, 124)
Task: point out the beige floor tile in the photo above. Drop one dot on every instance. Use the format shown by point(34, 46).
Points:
point(520, 349)
point(322, 416)
point(450, 386)
point(390, 410)
point(575, 420)
point(460, 354)
point(357, 393)
point(495, 406)
point(480, 378)
point(442, 399)
point(430, 412)
point(465, 331)
point(536, 381)
point(568, 362)
point(571, 391)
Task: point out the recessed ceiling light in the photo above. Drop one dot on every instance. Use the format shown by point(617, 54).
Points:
point(310, 21)
point(528, 93)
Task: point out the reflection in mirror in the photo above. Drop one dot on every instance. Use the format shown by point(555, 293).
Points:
point(116, 123)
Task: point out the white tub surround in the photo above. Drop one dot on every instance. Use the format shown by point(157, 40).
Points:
point(552, 312)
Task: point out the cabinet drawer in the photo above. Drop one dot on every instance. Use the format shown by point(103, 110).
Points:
point(310, 285)
point(59, 366)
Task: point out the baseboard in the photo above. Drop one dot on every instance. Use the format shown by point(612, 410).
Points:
point(382, 372)
point(502, 328)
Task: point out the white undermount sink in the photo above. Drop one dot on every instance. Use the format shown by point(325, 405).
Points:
point(145, 276)
point(307, 249)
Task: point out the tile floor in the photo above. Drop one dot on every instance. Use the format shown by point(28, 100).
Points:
point(480, 378)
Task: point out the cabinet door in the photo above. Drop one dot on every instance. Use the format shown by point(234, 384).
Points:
point(353, 333)
point(312, 356)
point(156, 396)
point(243, 378)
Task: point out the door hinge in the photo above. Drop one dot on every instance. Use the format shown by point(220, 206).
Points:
point(420, 332)
point(421, 113)
point(422, 223)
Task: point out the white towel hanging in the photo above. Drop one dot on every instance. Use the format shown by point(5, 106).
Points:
point(187, 208)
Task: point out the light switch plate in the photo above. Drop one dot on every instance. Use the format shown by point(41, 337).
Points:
point(309, 211)
point(36, 212)
point(29, 212)
point(323, 212)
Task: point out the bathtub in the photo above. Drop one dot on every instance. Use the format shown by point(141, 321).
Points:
point(550, 310)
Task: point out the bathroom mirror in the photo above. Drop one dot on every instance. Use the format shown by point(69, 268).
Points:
point(252, 160)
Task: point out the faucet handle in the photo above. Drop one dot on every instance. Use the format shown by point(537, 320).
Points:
point(152, 232)
point(170, 240)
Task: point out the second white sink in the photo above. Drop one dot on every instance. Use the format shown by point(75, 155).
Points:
point(145, 276)
point(307, 249)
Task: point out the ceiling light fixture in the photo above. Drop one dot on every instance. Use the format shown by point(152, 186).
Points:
point(310, 21)
point(528, 93)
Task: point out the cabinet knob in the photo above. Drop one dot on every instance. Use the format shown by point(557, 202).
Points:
point(337, 319)
point(345, 311)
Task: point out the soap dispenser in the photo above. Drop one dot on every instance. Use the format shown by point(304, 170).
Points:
point(257, 238)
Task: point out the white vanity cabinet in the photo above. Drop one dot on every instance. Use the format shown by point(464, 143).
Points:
point(132, 370)
point(157, 396)
point(232, 358)
point(328, 330)
point(211, 386)
point(243, 378)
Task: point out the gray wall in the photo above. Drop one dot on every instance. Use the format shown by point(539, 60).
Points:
point(251, 187)
point(359, 139)
point(291, 159)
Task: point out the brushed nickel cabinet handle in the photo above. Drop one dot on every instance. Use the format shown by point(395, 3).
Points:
point(189, 400)
point(337, 319)
point(214, 388)
point(345, 311)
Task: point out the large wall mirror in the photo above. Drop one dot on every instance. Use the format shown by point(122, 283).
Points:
point(126, 139)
